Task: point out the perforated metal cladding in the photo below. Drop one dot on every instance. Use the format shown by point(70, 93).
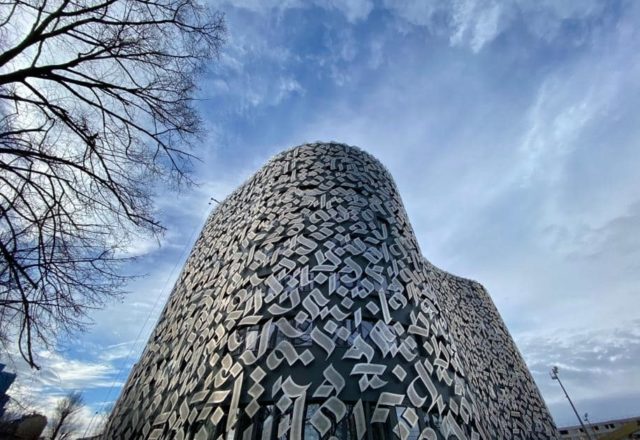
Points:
point(306, 310)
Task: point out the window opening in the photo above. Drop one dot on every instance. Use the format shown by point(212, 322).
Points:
point(275, 337)
point(304, 340)
point(379, 431)
point(345, 428)
point(414, 431)
point(264, 423)
point(251, 338)
point(365, 328)
point(240, 336)
point(422, 351)
point(310, 433)
point(342, 336)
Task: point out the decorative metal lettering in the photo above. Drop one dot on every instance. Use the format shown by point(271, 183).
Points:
point(307, 309)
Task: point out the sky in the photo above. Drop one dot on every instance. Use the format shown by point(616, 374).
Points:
point(512, 130)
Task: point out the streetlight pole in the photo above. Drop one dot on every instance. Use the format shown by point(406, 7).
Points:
point(554, 376)
point(586, 419)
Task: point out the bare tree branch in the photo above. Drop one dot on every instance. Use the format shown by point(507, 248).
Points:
point(96, 110)
point(63, 423)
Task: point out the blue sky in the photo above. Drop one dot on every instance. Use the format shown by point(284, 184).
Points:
point(511, 129)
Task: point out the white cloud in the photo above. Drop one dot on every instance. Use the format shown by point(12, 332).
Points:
point(545, 17)
point(468, 23)
point(233, 82)
point(518, 171)
point(590, 361)
point(580, 124)
point(122, 350)
point(353, 10)
point(61, 374)
point(40, 391)
point(475, 23)
point(286, 87)
point(75, 374)
point(531, 193)
point(556, 122)
point(138, 246)
point(261, 6)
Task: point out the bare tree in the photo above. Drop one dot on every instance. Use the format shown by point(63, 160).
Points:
point(64, 420)
point(96, 110)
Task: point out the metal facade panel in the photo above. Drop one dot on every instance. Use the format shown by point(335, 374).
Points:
point(306, 310)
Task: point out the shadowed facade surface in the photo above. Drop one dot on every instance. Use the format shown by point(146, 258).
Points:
point(306, 311)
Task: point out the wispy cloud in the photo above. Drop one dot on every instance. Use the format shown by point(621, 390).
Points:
point(40, 391)
point(606, 357)
point(511, 129)
point(476, 23)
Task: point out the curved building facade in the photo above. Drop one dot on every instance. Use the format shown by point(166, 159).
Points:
point(306, 311)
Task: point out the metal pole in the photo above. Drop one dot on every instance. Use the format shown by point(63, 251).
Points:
point(586, 419)
point(554, 375)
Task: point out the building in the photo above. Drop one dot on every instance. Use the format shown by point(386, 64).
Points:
point(6, 379)
point(307, 311)
point(610, 430)
point(26, 427)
